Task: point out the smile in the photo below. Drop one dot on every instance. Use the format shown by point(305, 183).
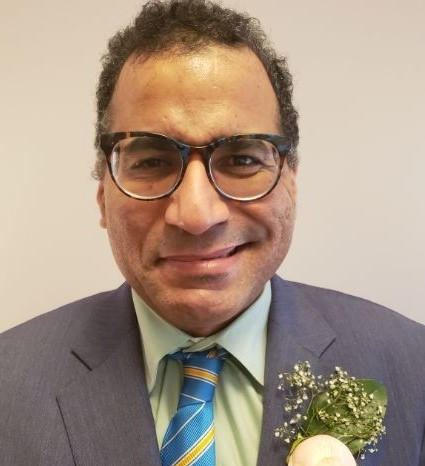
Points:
point(217, 254)
point(216, 264)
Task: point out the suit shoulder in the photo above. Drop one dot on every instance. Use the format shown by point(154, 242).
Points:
point(344, 311)
point(55, 325)
point(43, 348)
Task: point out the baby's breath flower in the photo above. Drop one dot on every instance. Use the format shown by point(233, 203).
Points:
point(350, 409)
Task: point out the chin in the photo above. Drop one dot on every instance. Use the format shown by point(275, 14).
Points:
point(211, 308)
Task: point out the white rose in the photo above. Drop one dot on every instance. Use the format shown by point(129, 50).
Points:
point(321, 450)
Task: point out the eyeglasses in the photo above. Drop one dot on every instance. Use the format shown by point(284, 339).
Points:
point(150, 166)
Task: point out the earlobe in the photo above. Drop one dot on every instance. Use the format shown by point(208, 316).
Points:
point(100, 197)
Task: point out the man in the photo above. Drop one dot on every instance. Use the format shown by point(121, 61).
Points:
point(197, 163)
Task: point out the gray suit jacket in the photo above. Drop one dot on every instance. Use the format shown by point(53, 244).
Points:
point(72, 387)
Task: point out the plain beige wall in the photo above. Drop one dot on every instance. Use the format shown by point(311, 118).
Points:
point(359, 72)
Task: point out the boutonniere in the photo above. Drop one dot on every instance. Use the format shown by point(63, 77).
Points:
point(337, 418)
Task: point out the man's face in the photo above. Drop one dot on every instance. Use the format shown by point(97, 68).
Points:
point(196, 258)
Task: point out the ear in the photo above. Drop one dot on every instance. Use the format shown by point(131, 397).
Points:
point(100, 197)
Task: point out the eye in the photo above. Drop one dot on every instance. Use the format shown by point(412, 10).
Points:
point(238, 165)
point(147, 163)
point(242, 160)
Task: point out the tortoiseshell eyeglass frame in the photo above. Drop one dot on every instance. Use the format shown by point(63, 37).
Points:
point(107, 142)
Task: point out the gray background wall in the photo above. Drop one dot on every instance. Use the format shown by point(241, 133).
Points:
point(359, 72)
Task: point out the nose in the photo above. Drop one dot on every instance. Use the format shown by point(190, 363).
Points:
point(196, 206)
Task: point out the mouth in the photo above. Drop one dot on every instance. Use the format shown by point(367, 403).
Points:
point(221, 253)
point(202, 268)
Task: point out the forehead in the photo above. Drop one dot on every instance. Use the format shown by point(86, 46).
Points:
point(218, 90)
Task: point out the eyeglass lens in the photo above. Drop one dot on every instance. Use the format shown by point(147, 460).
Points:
point(151, 166)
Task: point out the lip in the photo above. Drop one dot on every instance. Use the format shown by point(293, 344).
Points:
point(219, 262)
point(216, 254)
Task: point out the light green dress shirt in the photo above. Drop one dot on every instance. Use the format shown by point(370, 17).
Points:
point(238, 406)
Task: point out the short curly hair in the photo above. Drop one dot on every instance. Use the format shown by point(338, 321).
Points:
point(185, 26)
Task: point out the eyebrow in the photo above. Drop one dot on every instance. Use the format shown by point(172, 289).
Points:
point(149, 142)
point(243, 143)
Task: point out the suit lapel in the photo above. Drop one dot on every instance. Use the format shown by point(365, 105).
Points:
point(106, 412)
point(295, 333)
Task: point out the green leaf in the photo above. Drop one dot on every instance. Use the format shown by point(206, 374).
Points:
point(294, 445)
point(355, 432)
point(377, 389)
point(356, 445)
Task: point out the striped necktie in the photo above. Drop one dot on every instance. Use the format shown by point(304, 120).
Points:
point(189, 439)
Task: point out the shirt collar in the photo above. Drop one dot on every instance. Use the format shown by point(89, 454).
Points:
point(159, 338)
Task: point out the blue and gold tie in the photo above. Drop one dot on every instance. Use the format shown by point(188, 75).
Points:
point(189, 439)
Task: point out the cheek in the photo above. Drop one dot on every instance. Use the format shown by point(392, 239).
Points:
point(287, 202)
point(129, 236)
point(279, 216)
point(127, 222)
point(282, 229)
point(136, 231)
point(127, 225)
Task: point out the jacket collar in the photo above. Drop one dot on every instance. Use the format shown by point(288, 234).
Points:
point(106, 411)
point(104, 431)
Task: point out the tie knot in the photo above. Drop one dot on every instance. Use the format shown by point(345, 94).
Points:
point(200, 374)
